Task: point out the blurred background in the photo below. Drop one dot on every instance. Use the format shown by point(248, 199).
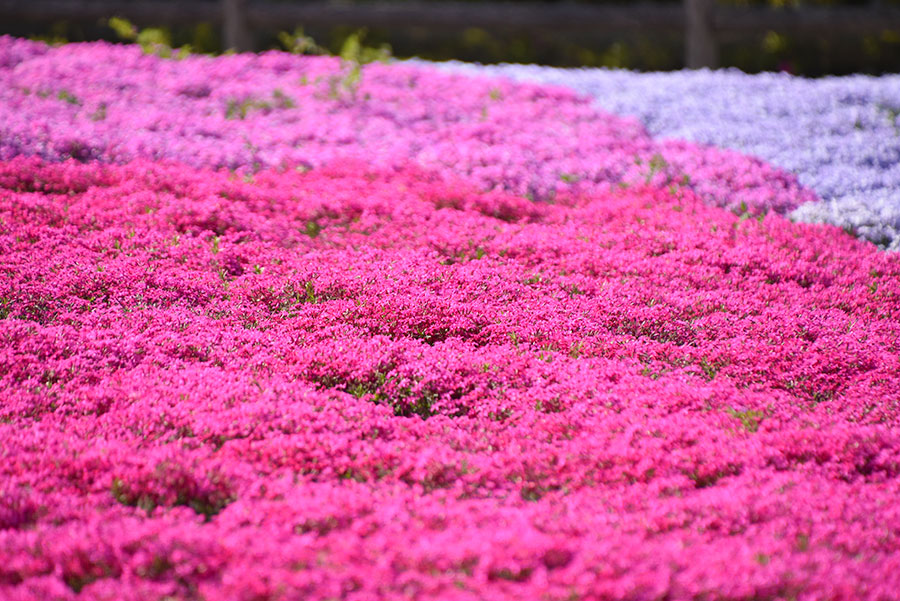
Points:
point(804, 37)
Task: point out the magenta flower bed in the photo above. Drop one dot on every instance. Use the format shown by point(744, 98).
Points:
point(115, 104)
point(382, 383)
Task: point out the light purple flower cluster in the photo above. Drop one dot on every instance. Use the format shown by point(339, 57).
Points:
point(840, 135)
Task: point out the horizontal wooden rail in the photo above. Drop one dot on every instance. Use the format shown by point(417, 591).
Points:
point(150, 11)
point(450, 15)
point(817, 20)
point(492, 15)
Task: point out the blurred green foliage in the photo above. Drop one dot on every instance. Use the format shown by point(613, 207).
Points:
point(153, 40)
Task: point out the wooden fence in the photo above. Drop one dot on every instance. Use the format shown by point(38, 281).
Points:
point(700, 21)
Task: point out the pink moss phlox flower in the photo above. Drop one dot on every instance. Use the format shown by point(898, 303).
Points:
point(380, 383)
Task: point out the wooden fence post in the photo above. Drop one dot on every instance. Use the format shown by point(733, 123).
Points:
point(700, 43)
point(235, 32)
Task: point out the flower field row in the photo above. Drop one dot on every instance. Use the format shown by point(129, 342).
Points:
point(281, 327)
point(116, 104)
point(840, 135)
point(373, 383)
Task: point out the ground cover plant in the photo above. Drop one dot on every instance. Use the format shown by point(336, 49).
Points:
point(356, 383)
point(278, 327)
point(118, 103)
point(840, 135)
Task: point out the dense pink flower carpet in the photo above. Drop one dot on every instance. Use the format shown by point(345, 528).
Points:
point(420, 336)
